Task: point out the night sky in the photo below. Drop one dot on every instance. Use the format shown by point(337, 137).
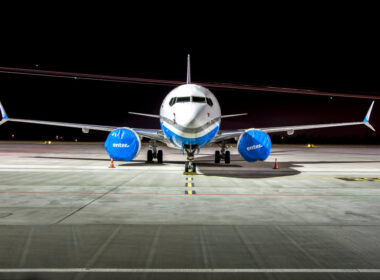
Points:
point(314, 48)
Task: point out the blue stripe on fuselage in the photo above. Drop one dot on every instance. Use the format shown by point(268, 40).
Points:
point(180, 141)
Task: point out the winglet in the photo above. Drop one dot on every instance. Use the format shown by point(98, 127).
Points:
point(366, 119)
point(3, 113)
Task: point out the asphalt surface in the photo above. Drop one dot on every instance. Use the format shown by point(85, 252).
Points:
point(65, 215)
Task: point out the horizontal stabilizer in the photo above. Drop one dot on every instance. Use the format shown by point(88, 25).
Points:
point(145, 115)
point(234, 115)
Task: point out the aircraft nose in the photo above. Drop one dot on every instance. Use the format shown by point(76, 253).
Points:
point(194, 117)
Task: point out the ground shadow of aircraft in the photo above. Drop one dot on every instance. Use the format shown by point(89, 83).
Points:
point(238, 167)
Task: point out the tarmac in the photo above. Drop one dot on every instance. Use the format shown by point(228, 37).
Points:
point(65, 215)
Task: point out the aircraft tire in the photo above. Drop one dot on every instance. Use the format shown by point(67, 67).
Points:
point(227, 157)
point(149, 157)
point(159, 156)
point(217, 156)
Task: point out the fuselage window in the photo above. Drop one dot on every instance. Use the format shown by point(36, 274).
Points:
point(183, 99)
point(199, 99)
point(209, 102)
point(172, 101)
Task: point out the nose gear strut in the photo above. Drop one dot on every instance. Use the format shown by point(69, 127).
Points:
point(190, 165)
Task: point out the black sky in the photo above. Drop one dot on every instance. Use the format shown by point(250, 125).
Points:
point(316, 47)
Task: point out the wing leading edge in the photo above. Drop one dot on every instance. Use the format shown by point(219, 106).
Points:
point(229, 134)
point(155, 134)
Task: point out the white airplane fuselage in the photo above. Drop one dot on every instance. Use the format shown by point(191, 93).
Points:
point(190, 116)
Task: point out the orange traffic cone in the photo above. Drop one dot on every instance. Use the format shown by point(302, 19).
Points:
point(111, 165)
point(275, 164)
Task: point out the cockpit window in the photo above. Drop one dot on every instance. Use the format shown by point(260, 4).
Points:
point(172, 101)
point(183, 99)
point(199, 99)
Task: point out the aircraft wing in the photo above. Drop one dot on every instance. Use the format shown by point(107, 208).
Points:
point(230, 134)
point(227, 134)
point(155, 134)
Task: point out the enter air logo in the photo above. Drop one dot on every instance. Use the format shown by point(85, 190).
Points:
point(120, 145)
point(254, 147)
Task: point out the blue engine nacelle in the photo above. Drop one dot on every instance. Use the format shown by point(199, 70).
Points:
point(123, 144)
point(254, 145)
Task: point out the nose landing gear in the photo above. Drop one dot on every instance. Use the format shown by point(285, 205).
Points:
point(190, 165)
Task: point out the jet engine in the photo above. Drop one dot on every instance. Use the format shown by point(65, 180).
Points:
point(254, 145)
point(123, 144)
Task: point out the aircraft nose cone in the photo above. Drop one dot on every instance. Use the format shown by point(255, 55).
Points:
point(194, 117)
point(191, 122)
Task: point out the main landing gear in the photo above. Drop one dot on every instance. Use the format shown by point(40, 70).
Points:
point(190, 165)
point(154, 153)
point(223, 154)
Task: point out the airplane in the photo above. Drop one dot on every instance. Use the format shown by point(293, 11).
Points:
point(190, 118)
